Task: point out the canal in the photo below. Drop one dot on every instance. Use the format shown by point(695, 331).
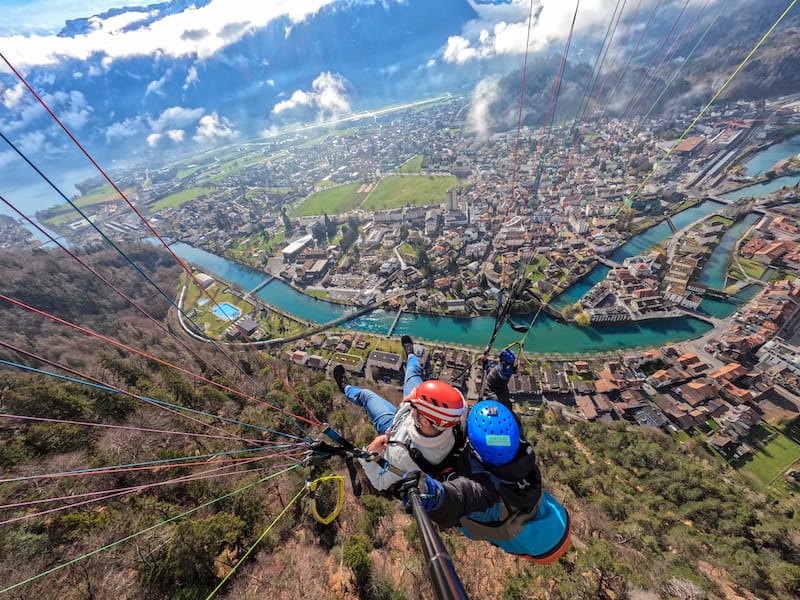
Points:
point(645, 241)
point(763, 161)
point(716, 268)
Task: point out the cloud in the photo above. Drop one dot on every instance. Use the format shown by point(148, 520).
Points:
point(328, 97)
point(299, 98)
point(331, 93)
point(13, 96)
point(485, 93)
point(191, 77)
point(501, 28)
point(175, 117)
point(24, 110)
point(458, 50)
point(196, 32)
point(176, 135)
point(71, 108)
point(195, 35)
point(213, 127)
point(124, 129)
point(33, 143)
point(154, 87)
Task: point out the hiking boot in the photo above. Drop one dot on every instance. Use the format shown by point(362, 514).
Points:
point(340, 377)
point(408, 345)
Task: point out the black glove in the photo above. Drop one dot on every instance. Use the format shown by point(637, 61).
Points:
point(431, 492)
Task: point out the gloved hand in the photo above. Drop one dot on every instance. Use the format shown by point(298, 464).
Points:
point(507, 368)
point(431, 492)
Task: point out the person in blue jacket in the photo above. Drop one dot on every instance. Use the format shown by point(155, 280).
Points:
point(497, 494)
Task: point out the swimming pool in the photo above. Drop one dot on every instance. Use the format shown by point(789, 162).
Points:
point(226, 311)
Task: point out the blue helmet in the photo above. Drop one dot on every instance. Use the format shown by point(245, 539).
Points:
point(493, 432)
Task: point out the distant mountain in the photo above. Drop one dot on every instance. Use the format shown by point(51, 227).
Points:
point(149, 14)
point(713, 43)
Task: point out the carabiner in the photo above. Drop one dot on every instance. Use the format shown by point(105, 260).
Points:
point(312, 486)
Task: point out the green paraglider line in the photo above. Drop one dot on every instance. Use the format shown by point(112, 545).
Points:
point(143, 531)
point(255, 544)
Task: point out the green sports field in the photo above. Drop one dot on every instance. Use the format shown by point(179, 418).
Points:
point(396, 191)
point(332, 201)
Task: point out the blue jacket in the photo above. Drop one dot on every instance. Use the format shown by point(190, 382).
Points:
point(505, 506)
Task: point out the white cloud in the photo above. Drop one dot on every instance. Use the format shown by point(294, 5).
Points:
point(154, 87)
point(391, 70)
point(328, 96)
point(213, 127)
point(117, 23)
point(176, 135)
point(123, 129)
point(299, 98)
point(175, 117)
point(69, 105)
point(502, 29)
point(71, 108)
point(331, 93)
point(191, 77)
point(33, 143)
point(484, 94)
point(154, 138)
point(199, 32)
point(458, 50)
point(12, 96)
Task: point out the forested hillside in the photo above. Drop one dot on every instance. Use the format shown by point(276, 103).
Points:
point(152, 503)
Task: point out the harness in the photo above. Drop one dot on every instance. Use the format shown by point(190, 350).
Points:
point(447, 467)
point(519, 485)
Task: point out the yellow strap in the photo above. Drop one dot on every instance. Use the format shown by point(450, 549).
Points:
point(339, 499)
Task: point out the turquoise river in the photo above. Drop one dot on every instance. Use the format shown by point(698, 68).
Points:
point(547, 336)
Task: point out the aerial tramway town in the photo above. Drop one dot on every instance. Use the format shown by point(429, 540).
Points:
point(548, 219)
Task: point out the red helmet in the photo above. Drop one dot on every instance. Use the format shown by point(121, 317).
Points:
point(437, 401)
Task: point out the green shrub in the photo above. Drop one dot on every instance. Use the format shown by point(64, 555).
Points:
point(355, 555)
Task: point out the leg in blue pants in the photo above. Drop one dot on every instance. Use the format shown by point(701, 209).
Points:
point(413, 374)
point(381, 411)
